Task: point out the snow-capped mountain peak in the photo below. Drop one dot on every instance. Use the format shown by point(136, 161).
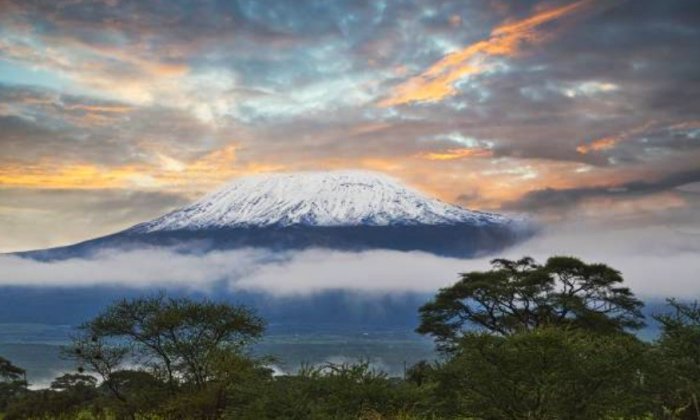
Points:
point(340, 210)
point(335, 198)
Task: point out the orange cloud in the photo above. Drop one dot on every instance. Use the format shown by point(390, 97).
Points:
point(493, 182)
point(208, 171)
point(598, 145)
point(452, 154)
point(168, 174)
point(608, 142)
point(100, 108)
point(506, 40)
point(74, 176)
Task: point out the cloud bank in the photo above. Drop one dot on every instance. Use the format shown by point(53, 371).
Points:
point(657, 261)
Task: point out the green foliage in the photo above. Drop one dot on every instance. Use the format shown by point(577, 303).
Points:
point(178, 343)
point(546, 373)
point(68, 395)
point(74, 382)
point(332, 391)
point(518, 296)
point(552, 343)
point(10, 372)
point(47, 404)
point(674, 382)
point(12, 382)
point(236, 380)
point(173, 338)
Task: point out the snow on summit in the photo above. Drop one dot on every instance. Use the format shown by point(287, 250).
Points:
point(335, 198)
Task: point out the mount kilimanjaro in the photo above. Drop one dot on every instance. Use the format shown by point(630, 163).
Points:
point(344, 210)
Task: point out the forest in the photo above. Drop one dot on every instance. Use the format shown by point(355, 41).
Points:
point(522, 340)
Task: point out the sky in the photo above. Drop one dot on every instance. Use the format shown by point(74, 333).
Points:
point(115, 111)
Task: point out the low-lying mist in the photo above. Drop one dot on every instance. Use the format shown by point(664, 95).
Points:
point(656, 261)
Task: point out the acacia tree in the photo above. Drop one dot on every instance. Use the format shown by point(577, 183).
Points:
point(72, 381)
point(522, 295)
point(174, 339)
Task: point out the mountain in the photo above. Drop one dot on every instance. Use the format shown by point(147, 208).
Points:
point(349, 210)
point(337, 198)
point(342, 210)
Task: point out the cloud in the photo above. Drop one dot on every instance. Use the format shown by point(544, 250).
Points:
point(60, 141)
point(451, 154)
point(39, 218)
point(199, 174)
point(570, 197)
point(379, 271)
point(47, 127)
point(506, 40)
point(261, 270)
point(132, 269)
point(609, 142)
point(656, 261)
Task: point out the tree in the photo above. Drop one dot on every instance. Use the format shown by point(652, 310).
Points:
point(174, 341)
point(238, 381)
point(99, 355)
point(67, 396)
point(73, 381)
point(547, 373)
point(140, 392)
point(420, 373)
point(675, 379)
point(331, 391)
point(10, 372)
point(522, 295)
point(12, 382)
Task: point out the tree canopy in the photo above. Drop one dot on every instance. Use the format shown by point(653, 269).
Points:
point(176, 340)
point(524, 340)
point(522, 295)
point(12, 382)
point(545, 373)
point(10, 372)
